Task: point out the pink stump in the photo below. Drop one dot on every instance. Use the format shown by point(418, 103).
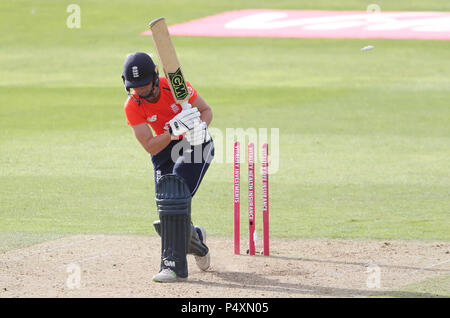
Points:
point(251, 197)
point(237, 199)
point(265, 198)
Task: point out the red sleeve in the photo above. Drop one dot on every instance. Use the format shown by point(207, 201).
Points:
point(192, 91)
point(134, 116)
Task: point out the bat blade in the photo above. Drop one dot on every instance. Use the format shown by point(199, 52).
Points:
point(169, 60)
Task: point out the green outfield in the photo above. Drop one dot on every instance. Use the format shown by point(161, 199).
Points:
point(364, 136)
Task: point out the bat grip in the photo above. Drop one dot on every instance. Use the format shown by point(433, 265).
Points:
point(185, 105)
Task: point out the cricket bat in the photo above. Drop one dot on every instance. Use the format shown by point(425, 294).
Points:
point(169, 61)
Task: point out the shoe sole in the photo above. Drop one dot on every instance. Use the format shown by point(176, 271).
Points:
point(168, 279)
point(198, 259)
point(176, 280)
point(202, 229)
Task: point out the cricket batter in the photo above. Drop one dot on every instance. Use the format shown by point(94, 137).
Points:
point(181, 150)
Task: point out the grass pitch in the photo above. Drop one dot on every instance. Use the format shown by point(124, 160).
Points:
point(364, 136)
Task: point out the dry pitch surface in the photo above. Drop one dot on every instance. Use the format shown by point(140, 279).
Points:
point(123, 266)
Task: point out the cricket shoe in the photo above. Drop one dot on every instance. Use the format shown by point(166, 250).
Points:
point(202, 262)
point(167, 275)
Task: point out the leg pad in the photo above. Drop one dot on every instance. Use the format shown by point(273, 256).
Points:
point(173, 200)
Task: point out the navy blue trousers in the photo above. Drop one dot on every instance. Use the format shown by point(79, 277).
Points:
point(186, 161)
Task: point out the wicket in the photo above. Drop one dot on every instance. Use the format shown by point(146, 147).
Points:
point(251, 198)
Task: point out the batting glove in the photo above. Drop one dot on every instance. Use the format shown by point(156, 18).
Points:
point(198, 135)
point(184, 121)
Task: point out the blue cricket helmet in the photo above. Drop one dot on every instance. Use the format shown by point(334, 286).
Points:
point(139, 70)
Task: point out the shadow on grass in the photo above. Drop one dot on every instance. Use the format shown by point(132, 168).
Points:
point(360, 264)
point(238, 280)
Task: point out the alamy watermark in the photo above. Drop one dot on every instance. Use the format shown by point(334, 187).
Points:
point(374, 277)
point(74, 19)
point(73, 280)
point(374, 8)
point(224, 146)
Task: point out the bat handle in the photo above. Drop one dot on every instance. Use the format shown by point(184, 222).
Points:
point(185, 105)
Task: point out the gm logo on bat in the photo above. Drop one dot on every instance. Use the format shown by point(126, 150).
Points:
point(178, 84)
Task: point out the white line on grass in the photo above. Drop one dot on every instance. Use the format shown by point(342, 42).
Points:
point(84, 260)
point(431, 266)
